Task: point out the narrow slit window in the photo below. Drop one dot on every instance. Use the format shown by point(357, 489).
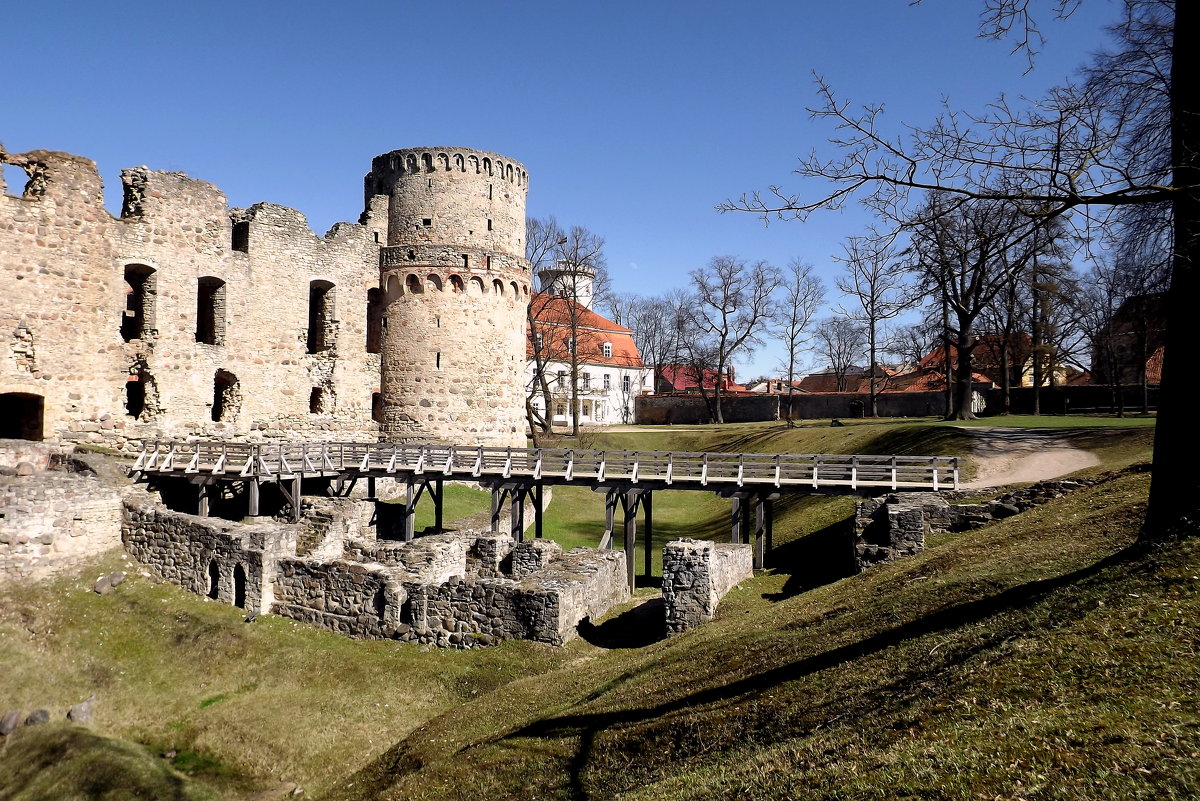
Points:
point(321, 323)
point(210, 311)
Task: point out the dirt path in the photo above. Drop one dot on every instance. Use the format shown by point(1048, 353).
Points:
point(1019, 455)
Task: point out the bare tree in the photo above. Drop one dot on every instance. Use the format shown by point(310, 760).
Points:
point(876, 280)
point(1130, 135)
point(733, 303)
point(801, 296)
point(843, 342)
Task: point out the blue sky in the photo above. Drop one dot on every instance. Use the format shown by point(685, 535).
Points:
point(634, 119)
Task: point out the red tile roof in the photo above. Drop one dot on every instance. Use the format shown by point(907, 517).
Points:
point(552, 319)
point(682, 377)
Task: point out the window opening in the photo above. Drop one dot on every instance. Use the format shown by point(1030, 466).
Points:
point(210, 311)
point(466, 260)
point(140, 294)
point(438, 361)
point(562, 378)
point(227, 399)
point(607, 349)
point(135, 397)
point(587, 382)
point(377, 407)
point(379, 603)
point(427, 221)
point(22, 416)
point(239, 586)
point(625, 383)
point(489, 224)
point(320, 316)
point(241, 236)
point(607, 383)
point(375, 320)
point(214, 580)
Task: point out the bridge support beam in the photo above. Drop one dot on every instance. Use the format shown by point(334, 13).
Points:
point(516, 493)
point(629, 500)
point(762, 528)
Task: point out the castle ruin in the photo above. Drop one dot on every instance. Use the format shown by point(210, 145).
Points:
point(183, 317)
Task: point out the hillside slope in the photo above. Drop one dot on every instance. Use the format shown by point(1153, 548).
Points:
point(1039, 657)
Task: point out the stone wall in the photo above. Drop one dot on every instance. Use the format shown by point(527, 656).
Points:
point(226, 561)
point(51, 520)
point(362, 600)
point(689, 409)
point(38, 455)
point(696, 575)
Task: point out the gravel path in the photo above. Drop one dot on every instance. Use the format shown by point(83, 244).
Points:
point(1022, 455)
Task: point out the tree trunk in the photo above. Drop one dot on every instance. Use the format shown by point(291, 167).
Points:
point(1036, 336)
point(718, 416)
point(947, 362)
point(962, 372)
point(1175, 483)
point(874, 410)
point(575, 404)
point(1005, 377)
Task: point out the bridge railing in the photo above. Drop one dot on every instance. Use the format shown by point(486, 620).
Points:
point(327, 458)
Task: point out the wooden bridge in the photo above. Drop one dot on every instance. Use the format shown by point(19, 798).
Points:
point(627, 478)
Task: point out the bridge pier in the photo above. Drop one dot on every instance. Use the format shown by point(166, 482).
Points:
point(516, 493)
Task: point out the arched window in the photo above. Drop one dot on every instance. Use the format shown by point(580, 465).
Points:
point(227, 398)
point(214, 580)
point(239, 586)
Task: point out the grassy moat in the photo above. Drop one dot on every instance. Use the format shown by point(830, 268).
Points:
point(1039, 657)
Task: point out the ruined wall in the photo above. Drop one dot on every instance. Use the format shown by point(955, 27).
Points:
point(362, 600)
point(226, 561)
point(687, 409)
point(696, 575)
point(456, 288)
point(49, 521)
point(180, 311)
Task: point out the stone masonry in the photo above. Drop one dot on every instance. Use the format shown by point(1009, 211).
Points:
point(696, 575)
point(183, 317)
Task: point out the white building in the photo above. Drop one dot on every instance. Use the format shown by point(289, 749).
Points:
point(611, 373)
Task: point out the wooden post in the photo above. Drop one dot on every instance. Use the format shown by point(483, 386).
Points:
point(517, 505)
point(610, 508)
point(371, 488)
point(436, 492)
point(630, 502)
point(296, 499)
point(537, 511)
point(497, 501)
point(760, 525)
point(769, 509)
point(253, 491)
point(410, 521)
point(648, 506)
point(736, 519)
point(203, 504)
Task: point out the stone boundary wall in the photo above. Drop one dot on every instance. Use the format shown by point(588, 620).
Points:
point(1072, 399)
point(49, 521)
point(691, 409)
point(696, 575)
point(197, 552)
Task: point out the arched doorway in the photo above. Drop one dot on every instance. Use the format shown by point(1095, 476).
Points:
point(214, 580)
point(239, 586)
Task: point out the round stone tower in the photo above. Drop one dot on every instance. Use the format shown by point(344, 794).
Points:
point(456, 288)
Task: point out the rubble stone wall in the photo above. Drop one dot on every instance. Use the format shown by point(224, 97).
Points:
point(362, 600)
point(49, 521)
point(226, 561)
point(696, 575)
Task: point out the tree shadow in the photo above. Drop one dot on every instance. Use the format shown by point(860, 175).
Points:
point(588, 726)
point(814, 560)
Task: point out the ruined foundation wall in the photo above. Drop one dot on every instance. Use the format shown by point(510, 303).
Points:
point(196, 552)
point(696, 575)
point(49, 521)
point(361, 600)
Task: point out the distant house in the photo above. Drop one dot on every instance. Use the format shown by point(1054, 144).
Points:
point(611, 372)
point(856, 379)
point(1131, 347)
point(685, 378)
point(772, 386)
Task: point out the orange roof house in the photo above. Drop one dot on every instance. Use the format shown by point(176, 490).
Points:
point(600, 341)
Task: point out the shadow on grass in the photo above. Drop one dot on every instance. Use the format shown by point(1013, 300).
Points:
point(638, 627)
point(588, 726)
point(815, 559)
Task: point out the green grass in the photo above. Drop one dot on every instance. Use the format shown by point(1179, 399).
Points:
point(241, 704)
point(1059, 421)
point(1033, 659)
point(67, 763)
